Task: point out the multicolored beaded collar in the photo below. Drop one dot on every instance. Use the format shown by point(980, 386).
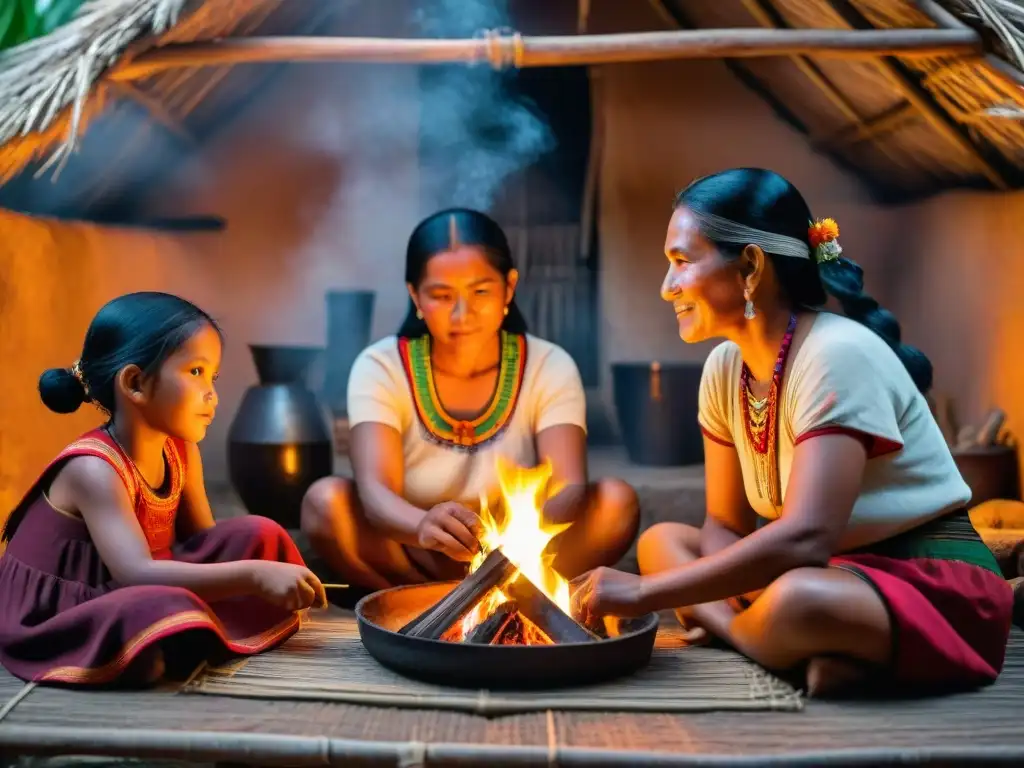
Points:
point(458, 433)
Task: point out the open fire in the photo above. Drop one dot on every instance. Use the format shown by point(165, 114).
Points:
point(512, 594)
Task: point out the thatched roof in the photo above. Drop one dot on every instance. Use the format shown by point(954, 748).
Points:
point(912, 125)
point(907, 125)
point(51, 87)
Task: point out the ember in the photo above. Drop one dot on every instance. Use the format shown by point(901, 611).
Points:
point(512, 595)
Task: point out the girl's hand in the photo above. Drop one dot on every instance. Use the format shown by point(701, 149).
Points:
point(605, 591)
point(291, 587)
point(451, 529)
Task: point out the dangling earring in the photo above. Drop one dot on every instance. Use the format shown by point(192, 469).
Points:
point(506, 310)
point(748, 309)
point(419, 314)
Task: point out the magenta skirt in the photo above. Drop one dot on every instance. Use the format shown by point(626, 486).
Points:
point(64, 620)
point(951, 608)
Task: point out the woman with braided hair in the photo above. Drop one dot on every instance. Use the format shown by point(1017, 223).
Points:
point(837, 541)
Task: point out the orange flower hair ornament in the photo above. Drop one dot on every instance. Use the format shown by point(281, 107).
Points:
point(824, 238)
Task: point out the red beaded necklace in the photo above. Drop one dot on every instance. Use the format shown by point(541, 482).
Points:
point(761, 419)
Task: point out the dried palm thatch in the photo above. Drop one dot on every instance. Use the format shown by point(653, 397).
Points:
point(970, 91)
point(1005, 18)
point(50, 88)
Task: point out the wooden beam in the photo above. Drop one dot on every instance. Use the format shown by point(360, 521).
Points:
point(156, 110)
point(872, 128)
point(582, 16)
point(943, 19)
point(767, 16)
point(124, 219)
point(881, 191)
point(556, 51)
point(895, 71)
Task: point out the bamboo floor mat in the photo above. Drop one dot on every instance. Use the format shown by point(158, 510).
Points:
point(978, 728)
point(326, 661)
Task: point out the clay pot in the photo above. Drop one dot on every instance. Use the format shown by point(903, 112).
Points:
point(278, 442)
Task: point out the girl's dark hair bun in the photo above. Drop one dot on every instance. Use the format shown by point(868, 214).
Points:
point(61, 391)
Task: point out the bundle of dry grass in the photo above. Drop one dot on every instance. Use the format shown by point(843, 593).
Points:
point(51, 87)
point(969, 90)
point(41, 78)
point(1002, 18)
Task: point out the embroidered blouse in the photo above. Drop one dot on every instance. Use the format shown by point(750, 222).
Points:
point(447, 459)
point(844, 378)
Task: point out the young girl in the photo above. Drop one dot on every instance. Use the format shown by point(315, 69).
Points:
point(114, 568)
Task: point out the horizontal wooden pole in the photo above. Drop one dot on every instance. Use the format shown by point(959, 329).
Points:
point(557, 51)
point(210, 746)
point(870, 128)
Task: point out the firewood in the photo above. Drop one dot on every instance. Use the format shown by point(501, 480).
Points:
point(942, 409)
point(559, 626)
point(433, 622)
point(511, 632)
point(487, 630)
point(966, 438)
point(990, 428)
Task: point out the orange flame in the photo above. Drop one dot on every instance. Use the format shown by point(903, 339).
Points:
point(522, 534)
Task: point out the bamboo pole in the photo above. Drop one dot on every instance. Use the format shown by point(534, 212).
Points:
point(872, 128)
point(519, 51)
point(271, 749)
point(944, 19)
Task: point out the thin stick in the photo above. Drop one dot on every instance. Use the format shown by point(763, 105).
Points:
point(335, 586)
point(553, 51)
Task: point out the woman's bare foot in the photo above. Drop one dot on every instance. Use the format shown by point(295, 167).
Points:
point(828, 675)
point(693, 633)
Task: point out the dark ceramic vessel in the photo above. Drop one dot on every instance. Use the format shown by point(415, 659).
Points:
point(349, 318)
point(279, 443)
point(656, 405)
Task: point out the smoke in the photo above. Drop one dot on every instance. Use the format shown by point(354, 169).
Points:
point(475, 129)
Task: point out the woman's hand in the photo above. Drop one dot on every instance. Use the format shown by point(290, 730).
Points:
point(451, 529)
point(291, 587)
point(605, 591)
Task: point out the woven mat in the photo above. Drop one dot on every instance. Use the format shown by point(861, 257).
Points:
point(326, 661)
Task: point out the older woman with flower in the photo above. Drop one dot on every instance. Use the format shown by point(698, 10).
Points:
point(837, 539)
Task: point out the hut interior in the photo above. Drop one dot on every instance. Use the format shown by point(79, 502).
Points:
point(255, 155)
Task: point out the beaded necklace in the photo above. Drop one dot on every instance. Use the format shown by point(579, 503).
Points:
point(440, 426)
point(760, 416)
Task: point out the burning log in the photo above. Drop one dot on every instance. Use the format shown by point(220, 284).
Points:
point(512, 631)
point(559, 626)
point(432, 623)
point(488, 630)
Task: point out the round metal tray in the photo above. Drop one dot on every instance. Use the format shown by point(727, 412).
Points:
point(465, 665)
